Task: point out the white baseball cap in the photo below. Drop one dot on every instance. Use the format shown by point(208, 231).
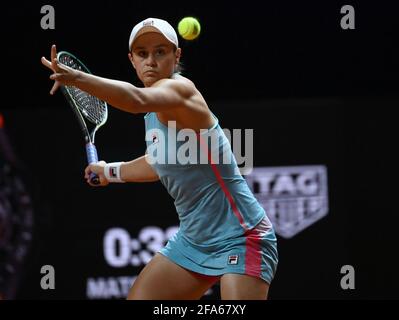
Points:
point(154, 25)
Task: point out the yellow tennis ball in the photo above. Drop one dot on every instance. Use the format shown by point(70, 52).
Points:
point(189, 28)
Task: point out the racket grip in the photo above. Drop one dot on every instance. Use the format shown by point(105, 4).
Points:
point(92, 157)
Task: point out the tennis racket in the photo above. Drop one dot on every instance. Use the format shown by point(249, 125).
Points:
point(90, 111)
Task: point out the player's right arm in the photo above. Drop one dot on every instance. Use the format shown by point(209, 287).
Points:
point(137, 170)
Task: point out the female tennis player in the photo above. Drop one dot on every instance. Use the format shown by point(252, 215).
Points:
point(224, 233)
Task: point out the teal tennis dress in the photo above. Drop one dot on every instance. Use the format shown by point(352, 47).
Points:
point(223, 229)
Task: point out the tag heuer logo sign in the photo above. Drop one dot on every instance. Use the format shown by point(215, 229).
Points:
point(293, 197)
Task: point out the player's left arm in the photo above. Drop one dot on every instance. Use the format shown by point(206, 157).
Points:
point(164, 95)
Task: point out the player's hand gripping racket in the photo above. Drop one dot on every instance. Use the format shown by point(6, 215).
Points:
point(90, 111)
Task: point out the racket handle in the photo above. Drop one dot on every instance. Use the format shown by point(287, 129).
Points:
point(92, 157)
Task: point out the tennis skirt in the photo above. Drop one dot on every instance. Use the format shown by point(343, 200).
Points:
point(254, 254)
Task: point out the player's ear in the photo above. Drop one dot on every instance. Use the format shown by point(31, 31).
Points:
point(129, 55)
point(178, 55)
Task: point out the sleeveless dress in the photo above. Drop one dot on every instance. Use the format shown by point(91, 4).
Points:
point(223, 228)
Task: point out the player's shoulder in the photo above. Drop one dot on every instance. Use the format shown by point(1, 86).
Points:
point(179, 78)
point(175, 79)
point(178, 83)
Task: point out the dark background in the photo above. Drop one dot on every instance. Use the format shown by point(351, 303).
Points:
point(314, 94)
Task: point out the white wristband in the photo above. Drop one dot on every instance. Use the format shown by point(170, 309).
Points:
point(112, 172)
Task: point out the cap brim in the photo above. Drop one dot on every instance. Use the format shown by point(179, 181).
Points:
point(147, 29)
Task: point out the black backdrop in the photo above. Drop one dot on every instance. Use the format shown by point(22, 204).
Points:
point(313, 93)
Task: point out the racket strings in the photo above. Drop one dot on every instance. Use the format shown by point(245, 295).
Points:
point(92, 108)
